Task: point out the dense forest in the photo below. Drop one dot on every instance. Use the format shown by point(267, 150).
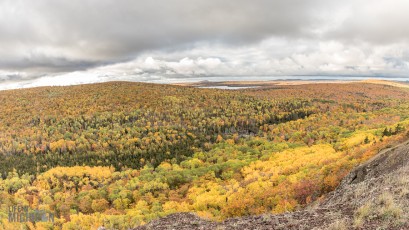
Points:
point(121, 154)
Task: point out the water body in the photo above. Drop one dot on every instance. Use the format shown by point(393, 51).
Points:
point(273, 78)
point(227, 87)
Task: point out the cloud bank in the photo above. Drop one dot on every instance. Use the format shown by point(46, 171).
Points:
point(48, 42)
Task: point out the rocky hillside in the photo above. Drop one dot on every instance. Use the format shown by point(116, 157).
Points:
point(375, 195)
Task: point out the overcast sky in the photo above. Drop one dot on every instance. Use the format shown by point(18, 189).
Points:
point(55, 42)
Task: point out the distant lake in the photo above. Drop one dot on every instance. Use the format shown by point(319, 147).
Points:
point(271, 78)
point(226, 87)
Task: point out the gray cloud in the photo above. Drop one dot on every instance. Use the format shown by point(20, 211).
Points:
point(46, 38)
point(105, 30)
point(377, 22)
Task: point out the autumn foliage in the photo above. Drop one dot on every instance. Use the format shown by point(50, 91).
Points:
point(121, 154)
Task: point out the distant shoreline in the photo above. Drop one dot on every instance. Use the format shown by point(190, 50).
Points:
point(272, 83)
point(264, 79)
point(249, 83)
point(230, 82)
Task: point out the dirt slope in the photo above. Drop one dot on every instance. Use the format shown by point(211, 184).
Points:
point(375, 195)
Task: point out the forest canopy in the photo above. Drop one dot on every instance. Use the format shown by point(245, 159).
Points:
point(121, 154)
